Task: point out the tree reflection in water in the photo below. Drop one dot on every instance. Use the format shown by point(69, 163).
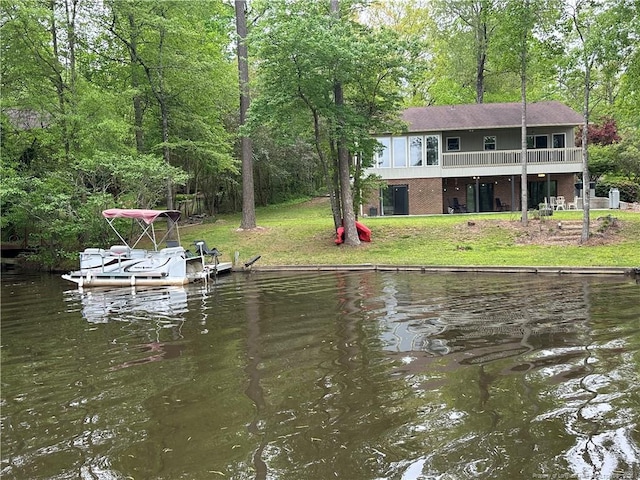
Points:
point(359, 375)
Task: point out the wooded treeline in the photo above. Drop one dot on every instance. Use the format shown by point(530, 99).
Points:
point(135, 103)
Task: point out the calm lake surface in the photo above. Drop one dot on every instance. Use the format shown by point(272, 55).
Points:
point(321, 376)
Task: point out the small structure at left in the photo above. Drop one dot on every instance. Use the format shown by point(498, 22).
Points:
point(127, 265)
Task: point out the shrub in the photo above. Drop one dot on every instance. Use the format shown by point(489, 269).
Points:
point(629, 191)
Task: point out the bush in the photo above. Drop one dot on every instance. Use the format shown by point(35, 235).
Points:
point(629, 191)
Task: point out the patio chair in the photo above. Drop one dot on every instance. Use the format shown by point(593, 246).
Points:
point(573, 205)
point(501, 207)
point(459, 207)
point(560, 203)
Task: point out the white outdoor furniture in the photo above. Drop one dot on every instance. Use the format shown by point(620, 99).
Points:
point(560, 203)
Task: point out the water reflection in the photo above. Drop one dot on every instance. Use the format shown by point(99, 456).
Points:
point(168, 304)
point(337, 375)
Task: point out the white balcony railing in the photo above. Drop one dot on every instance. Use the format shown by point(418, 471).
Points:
point(511, 157)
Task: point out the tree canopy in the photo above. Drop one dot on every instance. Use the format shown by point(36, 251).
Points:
point(135, 103)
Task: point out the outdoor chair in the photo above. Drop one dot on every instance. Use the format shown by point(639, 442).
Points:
point(459, 207)
point(501, 207)
point(560, 203)
point(573, 205)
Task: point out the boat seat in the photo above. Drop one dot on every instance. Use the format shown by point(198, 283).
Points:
point(119, 250)
point(94, 251)
point(203, 249)
point(171, 250)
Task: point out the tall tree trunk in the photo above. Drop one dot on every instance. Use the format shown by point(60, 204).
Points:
point(164, 116)
point(585, 155)
point(344, 174)
point(135, 85)
point(248, 194)
point(348, 214)
point(59, 82)
point(333, 198)
point(523, 132)
point(70, 7)
point(588, 63)
point(166, 152)
point(481, 59)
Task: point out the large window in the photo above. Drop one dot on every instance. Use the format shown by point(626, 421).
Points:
point(384, 155)
point(415, 151)
point(409, 151)
point(399, 151)
point(433, 155)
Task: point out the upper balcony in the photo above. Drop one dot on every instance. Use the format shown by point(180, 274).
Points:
point(490, 163)
point(496, 158)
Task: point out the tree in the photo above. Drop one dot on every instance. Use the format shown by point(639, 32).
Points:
point(521, 36)
point(248, 200)
point(94, 93)
point(331, 79)
point(160, 41)
point(344, 171)
point(471, 24)
point(600, 35)
point(601, 139)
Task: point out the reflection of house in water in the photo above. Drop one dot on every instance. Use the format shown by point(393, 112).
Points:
point(415, 337)
point(486, 327)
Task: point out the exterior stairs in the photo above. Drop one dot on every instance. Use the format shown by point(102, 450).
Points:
point(563, 231)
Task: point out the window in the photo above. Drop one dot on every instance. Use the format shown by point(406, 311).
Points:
point(453, 144)
point(530, 143)
point(415, 151)
point(384, 155)
point(541, 141)
point(399, 151)
point(559, 140)
point(433, 150)
point(490, 142)
point(538, 141)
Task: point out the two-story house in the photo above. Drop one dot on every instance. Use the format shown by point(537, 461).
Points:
point(467, 158)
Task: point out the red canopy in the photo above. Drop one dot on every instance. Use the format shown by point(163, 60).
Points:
point(148, 216)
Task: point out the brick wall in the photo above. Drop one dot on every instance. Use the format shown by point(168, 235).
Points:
point(434, 195)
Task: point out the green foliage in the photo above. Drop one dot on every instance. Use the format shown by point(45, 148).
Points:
point(601, 160)
point(303, 53)
point(628, 155)
point(629, 190)
point(134, 181)
point(84, 100)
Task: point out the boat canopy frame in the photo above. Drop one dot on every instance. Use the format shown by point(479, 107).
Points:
point(145, 219)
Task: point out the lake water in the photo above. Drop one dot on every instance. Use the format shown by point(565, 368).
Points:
point(328, 375)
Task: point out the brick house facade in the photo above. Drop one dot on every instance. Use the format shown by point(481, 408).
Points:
point(467, 158)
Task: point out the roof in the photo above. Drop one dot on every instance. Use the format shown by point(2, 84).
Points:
point(148, 216)
point(489, 115)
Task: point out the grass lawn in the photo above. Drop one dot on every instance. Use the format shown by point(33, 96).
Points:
point(301, 233)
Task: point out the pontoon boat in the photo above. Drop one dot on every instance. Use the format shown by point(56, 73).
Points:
point(125, 264)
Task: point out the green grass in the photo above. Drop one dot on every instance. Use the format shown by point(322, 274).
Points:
point(301, 233)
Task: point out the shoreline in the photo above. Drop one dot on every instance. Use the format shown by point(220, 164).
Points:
point(633, 272)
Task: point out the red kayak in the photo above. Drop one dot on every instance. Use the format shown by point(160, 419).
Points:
point(364, 234)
